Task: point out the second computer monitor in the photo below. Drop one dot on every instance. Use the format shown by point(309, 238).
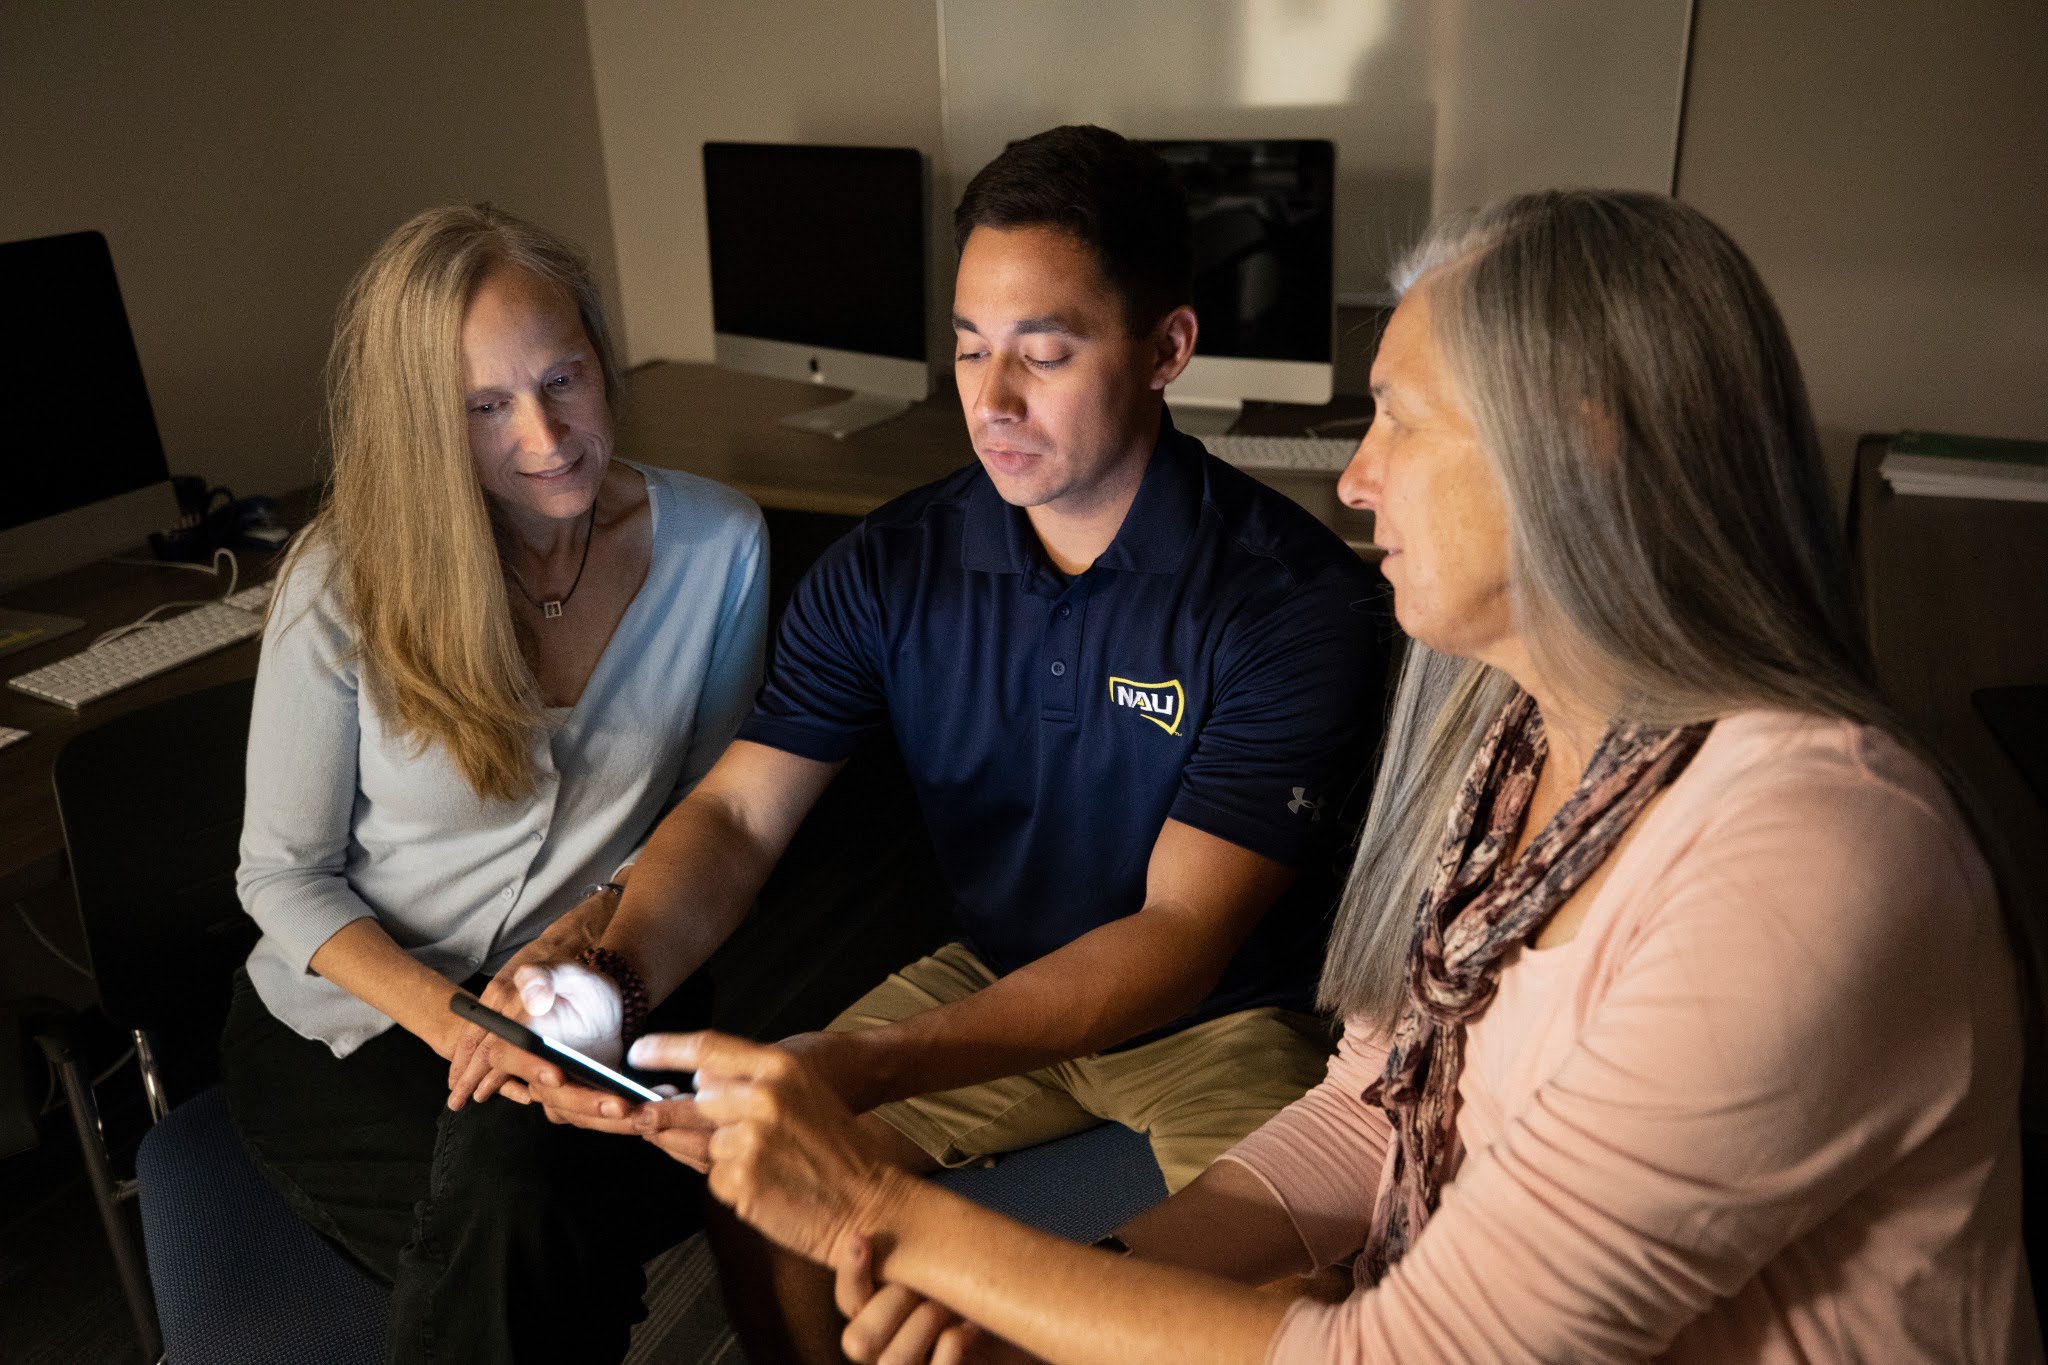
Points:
point(1263, 222)
point(85, 469)
point(818, 271)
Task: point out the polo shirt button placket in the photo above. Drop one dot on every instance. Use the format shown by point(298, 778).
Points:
point(1062, 646)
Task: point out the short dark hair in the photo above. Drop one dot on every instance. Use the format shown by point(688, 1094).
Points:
point(1117, 197)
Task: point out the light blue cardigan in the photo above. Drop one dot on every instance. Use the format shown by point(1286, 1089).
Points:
point(344, 820)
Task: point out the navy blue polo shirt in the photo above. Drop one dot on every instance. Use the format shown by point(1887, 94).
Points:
point(1219, 665)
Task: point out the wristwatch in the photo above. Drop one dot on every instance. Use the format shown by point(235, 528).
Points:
point(591, 890)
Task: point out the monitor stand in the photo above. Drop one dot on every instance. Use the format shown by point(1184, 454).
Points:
point(27, 629)
point(1205, 416)
point(840, 420)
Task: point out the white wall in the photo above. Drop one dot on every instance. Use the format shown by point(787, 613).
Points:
point(1886, 167)
point(244, 159)
point(673, 77)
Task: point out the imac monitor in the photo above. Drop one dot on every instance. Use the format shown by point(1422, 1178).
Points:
point(1262, 217)
point(818, 272)
point(85, 468)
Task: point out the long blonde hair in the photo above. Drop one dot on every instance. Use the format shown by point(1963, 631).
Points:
point(405, 519)
point(1670, 535)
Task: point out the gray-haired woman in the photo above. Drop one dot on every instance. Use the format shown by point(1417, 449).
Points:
point(1681, 1021)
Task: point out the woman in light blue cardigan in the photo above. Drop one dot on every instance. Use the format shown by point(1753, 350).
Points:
point(498, 657)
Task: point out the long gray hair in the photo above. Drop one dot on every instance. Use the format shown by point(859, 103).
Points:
point(1671, 540)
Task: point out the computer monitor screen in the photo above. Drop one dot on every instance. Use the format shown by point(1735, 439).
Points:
point(1263, 223)
point(80, 429)
point(86, 469)
point(818, 264)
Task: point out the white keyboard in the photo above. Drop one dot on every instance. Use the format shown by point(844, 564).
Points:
point(8, 734)
point(142, 653)
point(1300, 454)
point(251, 599)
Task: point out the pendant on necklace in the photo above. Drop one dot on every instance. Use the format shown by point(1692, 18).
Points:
point(551, 610)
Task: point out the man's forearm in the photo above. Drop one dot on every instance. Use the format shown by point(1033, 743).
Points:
point(1107, 986)
point(689, 889)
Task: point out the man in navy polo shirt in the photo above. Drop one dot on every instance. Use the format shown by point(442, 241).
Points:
point(1131, 686)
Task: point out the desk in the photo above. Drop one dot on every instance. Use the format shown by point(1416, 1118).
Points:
point(692, 417)
point(105, 594)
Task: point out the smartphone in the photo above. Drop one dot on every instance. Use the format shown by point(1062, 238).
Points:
point(588, 1070)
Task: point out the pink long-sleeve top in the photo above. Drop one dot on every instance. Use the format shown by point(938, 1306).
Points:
point(1762, 1107)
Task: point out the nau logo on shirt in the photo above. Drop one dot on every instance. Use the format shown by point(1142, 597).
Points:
point(1162, 703)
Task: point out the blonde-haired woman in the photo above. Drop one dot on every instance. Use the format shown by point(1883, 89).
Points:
point(497, 658)
point(1680, 1018)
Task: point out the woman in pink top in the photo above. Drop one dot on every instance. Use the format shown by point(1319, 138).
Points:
point(1680, 1017)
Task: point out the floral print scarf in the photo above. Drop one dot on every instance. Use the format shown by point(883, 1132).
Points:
point(1477, 911)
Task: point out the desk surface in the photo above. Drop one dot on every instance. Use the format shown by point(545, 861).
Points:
point(682, 416)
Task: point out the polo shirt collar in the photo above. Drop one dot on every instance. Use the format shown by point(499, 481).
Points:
point(1153, 538)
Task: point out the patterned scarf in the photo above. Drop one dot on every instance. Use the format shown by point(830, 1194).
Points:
point(1473, 915)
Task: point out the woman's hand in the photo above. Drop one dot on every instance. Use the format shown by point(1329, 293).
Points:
point(901, 1326)
point(784, 1152)
point(471, 1076)
point(678, 1129)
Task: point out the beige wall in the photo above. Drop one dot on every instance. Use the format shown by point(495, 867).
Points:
point(1542, 96)
point(673, 77)
point(244, 159)
point(1886, 166)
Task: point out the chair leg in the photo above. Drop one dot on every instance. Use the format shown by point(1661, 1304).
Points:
point(152, 1078)
point(107, 1192)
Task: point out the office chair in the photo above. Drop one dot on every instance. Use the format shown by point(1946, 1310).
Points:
point(1079, 1187)
point(151, 805)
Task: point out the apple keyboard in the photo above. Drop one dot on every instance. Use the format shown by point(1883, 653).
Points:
point(1297, 454)
point(251, 599)
point(139, 654)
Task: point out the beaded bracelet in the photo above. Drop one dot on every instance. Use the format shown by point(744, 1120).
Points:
point(632, 990)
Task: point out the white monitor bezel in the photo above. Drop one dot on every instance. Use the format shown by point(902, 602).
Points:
point(887, 376)
point(51, 545)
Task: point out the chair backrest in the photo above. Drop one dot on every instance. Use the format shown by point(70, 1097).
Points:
point(151, 804)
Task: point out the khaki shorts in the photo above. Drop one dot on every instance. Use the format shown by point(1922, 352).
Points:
point(1195, 1093)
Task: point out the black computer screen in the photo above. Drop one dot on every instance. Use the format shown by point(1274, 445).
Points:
point(79, 427)
point(1262, 218)
point(819, 246)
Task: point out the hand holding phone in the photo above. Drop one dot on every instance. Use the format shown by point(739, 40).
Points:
point(587, 1070)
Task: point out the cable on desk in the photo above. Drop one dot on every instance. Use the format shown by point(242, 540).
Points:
point(44, 939)
point(208, 569)
point(148, 618)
